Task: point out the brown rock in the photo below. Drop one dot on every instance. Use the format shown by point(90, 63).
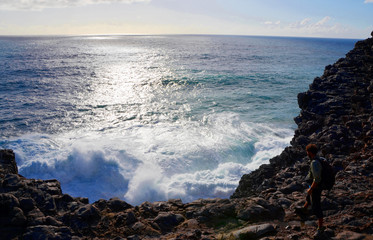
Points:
point(349, 235)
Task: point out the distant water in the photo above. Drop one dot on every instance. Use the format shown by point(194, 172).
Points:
point(147, 118)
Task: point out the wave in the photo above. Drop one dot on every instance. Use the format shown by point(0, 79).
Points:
point(187, 160)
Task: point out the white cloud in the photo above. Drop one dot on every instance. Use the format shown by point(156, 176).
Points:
point(368, 1)
point(41, 4)
point(272, 23)
point(322, 27)
point(310, 26)
point(305, 21)
point(323, 21)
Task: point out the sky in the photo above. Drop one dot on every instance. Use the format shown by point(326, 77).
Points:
point(301, 18)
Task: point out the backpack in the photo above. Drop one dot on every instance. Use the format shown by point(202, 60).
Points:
point(327, 174)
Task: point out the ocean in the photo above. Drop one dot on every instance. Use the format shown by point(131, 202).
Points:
point(151, 118)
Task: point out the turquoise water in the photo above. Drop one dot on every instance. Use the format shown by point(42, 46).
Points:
point(149, 118)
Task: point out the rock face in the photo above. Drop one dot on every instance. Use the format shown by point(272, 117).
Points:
point(336, 114)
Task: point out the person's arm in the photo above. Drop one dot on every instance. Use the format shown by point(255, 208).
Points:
point(316, 173)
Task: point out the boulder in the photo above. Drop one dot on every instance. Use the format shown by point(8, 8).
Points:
point(117, 205)
point(254, 232)
point(167, 221)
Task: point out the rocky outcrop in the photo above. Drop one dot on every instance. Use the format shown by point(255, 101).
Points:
point(37, 209)
point(8, 162)
point(336, 114)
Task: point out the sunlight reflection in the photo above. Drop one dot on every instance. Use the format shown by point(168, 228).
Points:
point(134, 89)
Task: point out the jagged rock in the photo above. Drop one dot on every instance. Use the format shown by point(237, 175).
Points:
point(8, 162)
point(117, 205)
point(87, 212)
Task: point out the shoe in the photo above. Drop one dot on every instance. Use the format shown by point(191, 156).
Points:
point(319, 233)
point(301, 212)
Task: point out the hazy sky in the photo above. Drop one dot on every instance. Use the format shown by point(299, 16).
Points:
point(310, 18)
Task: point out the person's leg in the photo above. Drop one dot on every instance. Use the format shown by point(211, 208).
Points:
point(303, 211)
point(316, 207)
point(308, 202)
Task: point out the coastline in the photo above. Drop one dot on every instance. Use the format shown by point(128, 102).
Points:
point(336, 113)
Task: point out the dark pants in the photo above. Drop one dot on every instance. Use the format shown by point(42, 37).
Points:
point(315, 201)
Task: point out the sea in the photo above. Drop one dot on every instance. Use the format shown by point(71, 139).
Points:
point(152, 118)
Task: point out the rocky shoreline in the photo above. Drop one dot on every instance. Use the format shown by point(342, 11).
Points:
point(336, 114)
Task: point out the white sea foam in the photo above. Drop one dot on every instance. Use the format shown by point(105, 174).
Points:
point(187, 160)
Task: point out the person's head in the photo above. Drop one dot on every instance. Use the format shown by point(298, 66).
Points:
point(311, 150)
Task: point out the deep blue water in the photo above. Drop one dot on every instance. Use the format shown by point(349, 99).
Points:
point(153, 117)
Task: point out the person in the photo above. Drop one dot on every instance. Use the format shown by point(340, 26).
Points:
point(313, 198)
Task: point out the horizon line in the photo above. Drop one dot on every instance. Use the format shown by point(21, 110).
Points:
point(168, 34)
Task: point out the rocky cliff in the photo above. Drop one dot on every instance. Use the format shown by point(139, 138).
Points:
point(336, 114)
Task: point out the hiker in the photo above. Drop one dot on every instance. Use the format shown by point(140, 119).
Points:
point(314, 192)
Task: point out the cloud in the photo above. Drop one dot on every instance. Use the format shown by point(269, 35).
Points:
point(42, 4)
point(321, 27)
point(304, 21)
point(272, 23)
point(368, 1)
point(323, 21)
point(311, 26)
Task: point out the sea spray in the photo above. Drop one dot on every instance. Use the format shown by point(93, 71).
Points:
point(186, 162)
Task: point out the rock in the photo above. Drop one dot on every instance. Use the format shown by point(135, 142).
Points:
point(131, 218)
point(292, 187)
point(49, 220)
point(349, 235)
point(12, 182)
point(167, 221)
point(27, 204)
point(100, 204)
point(7, 202)
point(254, 232)
point(53, 187)
point(47, 232)
point(8, 162)
point(87, 212)
point(35, 213)
point(138, 226)
point(85, 217)
point(117, 205)
point(254, 213)
point(133, 237)
point(17, 218)
point(10, 213)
